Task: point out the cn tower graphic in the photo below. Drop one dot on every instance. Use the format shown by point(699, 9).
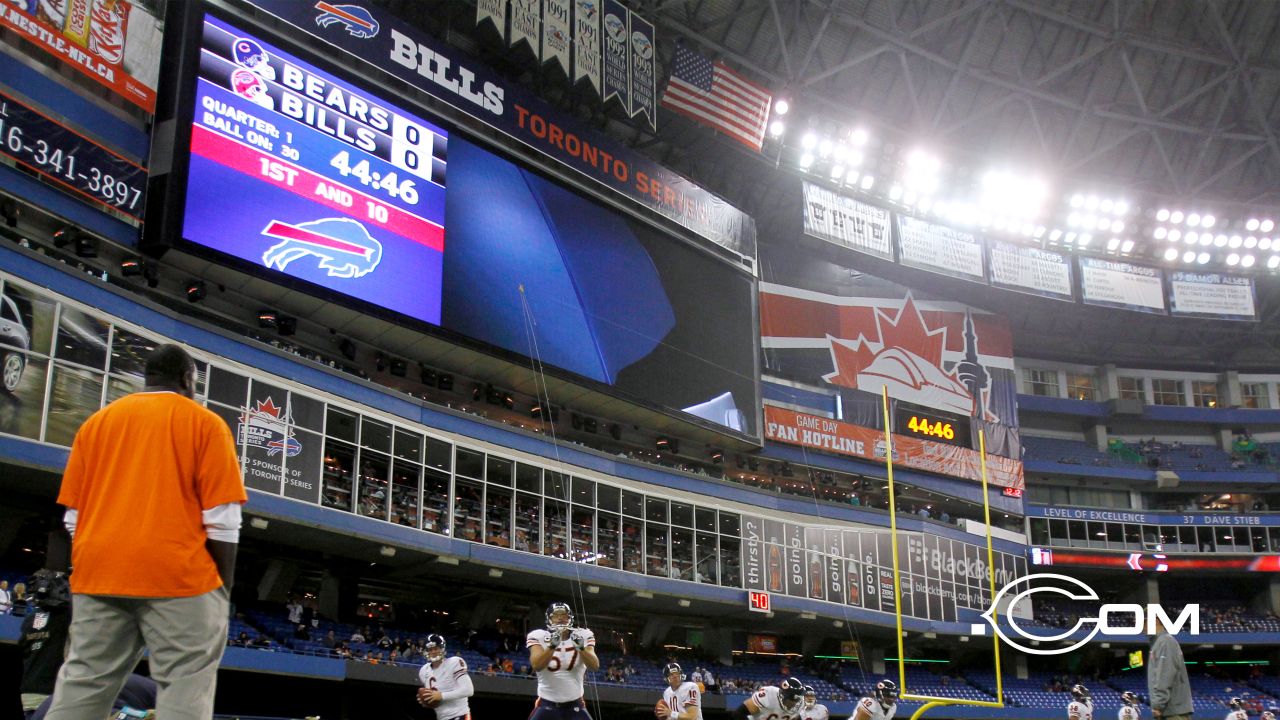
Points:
point(970, 372)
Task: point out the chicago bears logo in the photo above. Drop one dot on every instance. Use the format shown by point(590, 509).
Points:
point(343, 246)
point(358, 21)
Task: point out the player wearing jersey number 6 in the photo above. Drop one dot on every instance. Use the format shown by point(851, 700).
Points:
point(445, 683)
point(561, 655)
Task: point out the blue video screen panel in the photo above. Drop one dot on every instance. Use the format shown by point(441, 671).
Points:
point(298, 172)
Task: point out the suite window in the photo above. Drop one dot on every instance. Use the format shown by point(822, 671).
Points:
point(1254, 395)
point(1041, 382)
point(1168, 392)
point(1204, 393)
point(1081, 387)
point(1131, 388)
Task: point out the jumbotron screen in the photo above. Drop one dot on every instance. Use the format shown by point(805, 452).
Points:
point(300, 173)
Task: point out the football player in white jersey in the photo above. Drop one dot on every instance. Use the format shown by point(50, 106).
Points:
point(680, 700)
point(1267, 715)
point(880, 707)
point(445, 682)
point(812, 709)
point(773, 703)
point(1237, 710)
point(1081, 705)
point(561, 655)
point(1130, 706)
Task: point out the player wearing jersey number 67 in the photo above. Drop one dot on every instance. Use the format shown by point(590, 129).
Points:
point(445, 683)
point(561, 655)
point(680, 701)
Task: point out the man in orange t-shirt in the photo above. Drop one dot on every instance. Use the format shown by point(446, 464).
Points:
point(153, 494)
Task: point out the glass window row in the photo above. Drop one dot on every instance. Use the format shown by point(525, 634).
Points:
point(1160, 538)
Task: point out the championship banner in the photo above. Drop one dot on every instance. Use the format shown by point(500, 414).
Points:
point(844, 221)
point(1029, 270)
point(1123, 285)
point(114, 42)
point(842, 438)
point(644, 81)
point(940, 248)
point(374, 38)
point(526, 24)
point(1212, 295)
point(495, 11)
point(556, 33)
point(586, 43)
point(617, 54)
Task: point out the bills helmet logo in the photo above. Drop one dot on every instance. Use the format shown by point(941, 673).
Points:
point(358, 21)
point(342, 246)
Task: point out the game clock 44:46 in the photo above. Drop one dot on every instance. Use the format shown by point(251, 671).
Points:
point(389, 183)
point(71, 161)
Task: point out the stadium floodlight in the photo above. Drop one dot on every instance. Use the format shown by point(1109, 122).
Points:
point(1091, 202)
point(859, 137)
point(837, 171)
point(1193, 219)
point(841, 153)
point(1273, 262)
point(1235, 241)
point(1117, 226)
point(1220, 241)
point(1171, 254)
point(1252, 225)
point(1085, 239)
point(806, 160)
point(1113, 243)
point(909, 197)
point(1162, 215)
point(1160, 233)
point(809, 141)
point(1077, 200)
point(1250, 242)
point(867, 182)
point(1126, 246)
point(1189, 256)
point(1233, 259)
point(1266, 225)
point(895, 192)
point(1208, 221)
point(1073, 220)
point(1106, 205)
point(1247, 261)
point(1070, 236)
point(1202, 258)
point(1192, 236)
point(777, 127)
point(825, 147)
point(1039, 232)
point(856, 157)
point(1121, 208)
point(1206, 239)
point(1103, 223)
point(1264, 244)
point(1176, 217)
point(1175, 235)
point(1055, 235)
point(852, 177)
point(781, 107)
point(925, 204)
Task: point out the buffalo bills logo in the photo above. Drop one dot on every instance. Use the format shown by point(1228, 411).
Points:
point(358, 21)
point(343, 246)
point(267, 427)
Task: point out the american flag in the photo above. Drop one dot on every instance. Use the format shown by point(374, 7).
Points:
point(712, 94)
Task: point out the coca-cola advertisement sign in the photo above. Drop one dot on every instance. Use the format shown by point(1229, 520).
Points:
point(114, 42)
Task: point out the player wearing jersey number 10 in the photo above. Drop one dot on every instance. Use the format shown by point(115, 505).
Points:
point(561, 655)
point(680, 700)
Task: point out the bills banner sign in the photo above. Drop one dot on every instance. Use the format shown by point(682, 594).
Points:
point(1212, 295)
point(369, 36)
point(842, 438)
point(114, 42)
point(940, 248)
point(1123, 285)
point(1030, 270)
point(844, 221)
